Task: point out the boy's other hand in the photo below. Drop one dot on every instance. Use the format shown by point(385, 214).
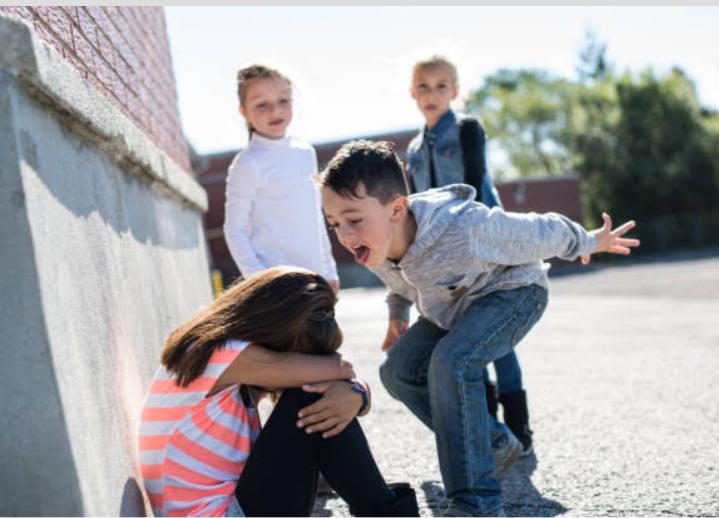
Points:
point(333, 412)
point(394, 331)
point(611, 241)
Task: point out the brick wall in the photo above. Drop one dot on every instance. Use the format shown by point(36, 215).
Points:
point(124, 53)
point(549, 194)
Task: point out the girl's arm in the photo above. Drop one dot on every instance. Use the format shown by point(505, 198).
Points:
point(328, 261)
point(240, 196)
point(257, 365)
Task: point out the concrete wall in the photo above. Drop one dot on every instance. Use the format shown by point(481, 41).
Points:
point(102, 253)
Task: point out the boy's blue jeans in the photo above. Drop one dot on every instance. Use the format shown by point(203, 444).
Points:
point(437, 374)
point(508, 374)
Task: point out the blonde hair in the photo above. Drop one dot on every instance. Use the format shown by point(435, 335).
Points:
point(245, 77)
point(433, 63)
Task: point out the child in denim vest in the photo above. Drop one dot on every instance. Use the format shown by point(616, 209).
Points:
point(448, 150)
point(477, 277)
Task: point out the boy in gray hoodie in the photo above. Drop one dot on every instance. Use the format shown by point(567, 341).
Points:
point(477, 277)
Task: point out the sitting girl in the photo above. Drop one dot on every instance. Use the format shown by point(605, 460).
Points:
point(202, 451)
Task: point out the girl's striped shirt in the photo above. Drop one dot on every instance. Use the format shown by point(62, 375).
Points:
point(192, 447)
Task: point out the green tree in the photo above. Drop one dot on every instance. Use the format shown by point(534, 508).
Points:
point(525, 112)
point(593, 64)
point(642, 144)
point(653, 151)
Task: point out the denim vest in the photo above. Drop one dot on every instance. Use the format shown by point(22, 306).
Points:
point(447, 158)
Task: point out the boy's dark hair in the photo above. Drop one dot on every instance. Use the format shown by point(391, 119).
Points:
point(374, 164)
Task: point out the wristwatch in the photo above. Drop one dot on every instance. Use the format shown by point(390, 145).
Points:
point(359, 388)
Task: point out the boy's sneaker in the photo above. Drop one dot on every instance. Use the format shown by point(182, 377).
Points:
point(505, 455)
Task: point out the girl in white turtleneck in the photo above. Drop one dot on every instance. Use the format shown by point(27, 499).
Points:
point(273, 214)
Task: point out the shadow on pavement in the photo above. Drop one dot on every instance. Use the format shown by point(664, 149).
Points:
point(521, 498)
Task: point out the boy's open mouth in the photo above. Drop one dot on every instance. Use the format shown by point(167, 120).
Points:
point(361, 254)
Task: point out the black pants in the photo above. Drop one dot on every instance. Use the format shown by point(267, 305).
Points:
point(280, 476)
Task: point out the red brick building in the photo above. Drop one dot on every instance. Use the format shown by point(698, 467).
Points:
point(559, 194)
point(123, 52)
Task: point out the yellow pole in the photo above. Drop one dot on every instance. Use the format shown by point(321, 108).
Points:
point(217, 285)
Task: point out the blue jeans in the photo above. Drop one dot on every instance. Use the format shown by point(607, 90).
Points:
point(437, 374)
point(508, 373)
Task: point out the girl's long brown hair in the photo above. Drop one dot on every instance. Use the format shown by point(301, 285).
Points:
point(282, 308)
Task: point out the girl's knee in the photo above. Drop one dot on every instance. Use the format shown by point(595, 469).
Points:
point(297, 398)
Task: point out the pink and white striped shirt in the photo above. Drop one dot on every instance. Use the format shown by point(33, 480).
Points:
point(192, 447)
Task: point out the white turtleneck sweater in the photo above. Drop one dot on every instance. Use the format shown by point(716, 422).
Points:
point(273, 212)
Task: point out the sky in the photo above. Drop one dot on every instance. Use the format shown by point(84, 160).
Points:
point(351, 66)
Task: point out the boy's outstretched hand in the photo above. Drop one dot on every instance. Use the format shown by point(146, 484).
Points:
point(611, 241)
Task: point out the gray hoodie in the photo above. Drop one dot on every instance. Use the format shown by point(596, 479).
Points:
point(463, 250)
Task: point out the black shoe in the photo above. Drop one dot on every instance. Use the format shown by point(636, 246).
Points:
point(516, 417)
point(406, 500)
point(403, 504)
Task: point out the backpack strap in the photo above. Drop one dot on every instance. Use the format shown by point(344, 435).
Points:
point(472, 140)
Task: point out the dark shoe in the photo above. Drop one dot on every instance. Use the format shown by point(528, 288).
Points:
point(404, 503)
point(516, 417)
point(491, 393)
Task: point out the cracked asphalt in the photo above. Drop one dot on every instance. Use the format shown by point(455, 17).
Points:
point(622, 376)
